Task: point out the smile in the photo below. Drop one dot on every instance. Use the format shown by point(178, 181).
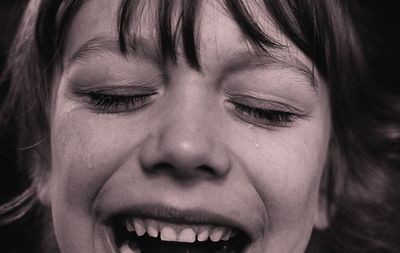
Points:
point(176, 232)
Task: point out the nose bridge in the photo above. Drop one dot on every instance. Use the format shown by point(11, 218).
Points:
point(186, 143)
point(186, 129)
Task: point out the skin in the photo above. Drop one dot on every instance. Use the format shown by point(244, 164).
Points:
point(103, 162)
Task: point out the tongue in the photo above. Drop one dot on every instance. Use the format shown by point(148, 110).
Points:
point(152, 245)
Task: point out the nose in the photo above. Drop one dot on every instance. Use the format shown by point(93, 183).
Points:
point(186, 146)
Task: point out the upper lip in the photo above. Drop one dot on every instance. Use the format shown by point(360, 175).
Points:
point(182, 216)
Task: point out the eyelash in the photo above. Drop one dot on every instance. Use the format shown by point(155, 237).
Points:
point(268, 117)
point(120, 103)
point(117, 103)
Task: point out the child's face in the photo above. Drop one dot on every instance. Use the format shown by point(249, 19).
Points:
point(181, 150)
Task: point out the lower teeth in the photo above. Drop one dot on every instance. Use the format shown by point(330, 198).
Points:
point(129, 248)
point(153, 245)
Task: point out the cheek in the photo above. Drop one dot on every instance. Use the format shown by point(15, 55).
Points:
point(85, 155)
point(286, 168)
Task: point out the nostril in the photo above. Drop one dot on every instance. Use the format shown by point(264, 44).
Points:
point(207, 170)
point(203, 171)
point(162, 167)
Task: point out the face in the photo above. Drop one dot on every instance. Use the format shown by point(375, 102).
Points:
point(147, 155)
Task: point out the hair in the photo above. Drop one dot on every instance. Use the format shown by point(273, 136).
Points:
point(362, 170)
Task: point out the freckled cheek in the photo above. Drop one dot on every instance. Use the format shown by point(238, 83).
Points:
point(86, 152)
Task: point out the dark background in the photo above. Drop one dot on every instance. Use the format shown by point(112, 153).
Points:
point(10, 12)
point(379, 23)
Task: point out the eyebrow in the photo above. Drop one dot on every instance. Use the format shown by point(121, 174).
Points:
point(100, 44)
point(240, 62)
point(251, 61)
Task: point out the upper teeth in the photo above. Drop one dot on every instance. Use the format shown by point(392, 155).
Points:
point(178, 232)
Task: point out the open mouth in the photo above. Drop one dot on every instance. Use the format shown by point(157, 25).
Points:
point(150, 235)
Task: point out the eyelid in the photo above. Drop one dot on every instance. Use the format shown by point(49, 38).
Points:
point(115, 104)
point(265, 118)
point(112, 98)
point(270, 104)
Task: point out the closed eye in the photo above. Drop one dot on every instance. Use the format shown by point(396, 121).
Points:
point(265, 117)
point(110, 103)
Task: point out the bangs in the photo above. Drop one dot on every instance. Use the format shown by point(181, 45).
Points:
point(175, 20)
point(313, 26)
point(187, 25)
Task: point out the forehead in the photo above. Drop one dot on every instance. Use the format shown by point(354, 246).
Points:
point(217, 35)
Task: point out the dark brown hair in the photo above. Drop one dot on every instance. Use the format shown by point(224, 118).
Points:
point(362, 170)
